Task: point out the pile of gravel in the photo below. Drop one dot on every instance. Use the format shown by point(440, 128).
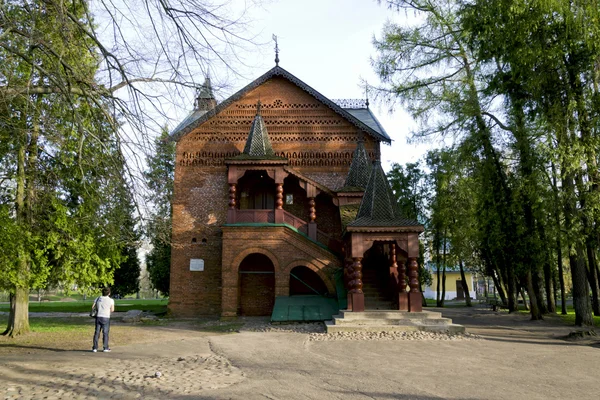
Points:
point(290, 327)
point(414, 335)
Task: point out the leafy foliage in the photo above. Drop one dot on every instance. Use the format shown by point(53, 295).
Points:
point(159, 177)
point(513, 85)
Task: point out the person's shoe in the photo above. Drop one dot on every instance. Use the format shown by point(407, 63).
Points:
point(106, 350)
point(94, 350)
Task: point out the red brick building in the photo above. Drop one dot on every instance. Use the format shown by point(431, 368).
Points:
point(279, 192)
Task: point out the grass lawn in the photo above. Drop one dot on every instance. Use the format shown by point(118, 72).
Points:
point(569, 319)
point(450, 303)
point(156, 306)
point(60, 334)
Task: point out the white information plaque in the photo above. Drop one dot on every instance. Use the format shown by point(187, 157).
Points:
point(196, 264)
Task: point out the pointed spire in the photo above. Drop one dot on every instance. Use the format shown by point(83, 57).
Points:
point(378, 203)
point(258, 144)
point(205, 99)
point(378, 207)
point(276, 50)
point(360, 168)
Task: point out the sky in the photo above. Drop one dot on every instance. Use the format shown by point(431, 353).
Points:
point(328, 45)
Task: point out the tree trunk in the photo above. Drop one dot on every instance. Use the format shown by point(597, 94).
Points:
point(561, 274)
point(524, 300)
point(18, 317)
point(499, 289)
point(549, 284)
point(438, 282)
point(465, 286)
point(536, 313)
point(438, 287)
point(443, 296)
point(537, 281)
point(581, 299)
point(593, 279)
point(512, 292)
point(548, 273)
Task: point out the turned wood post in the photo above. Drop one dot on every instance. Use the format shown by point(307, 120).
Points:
point(415, 303)
point(348, 281)
point(393, 275)
point(357, 295)
point(279, 203)
point(402, 294)
point(232, 204)
point(313, 210)
point(312, 225)
point(279, 197)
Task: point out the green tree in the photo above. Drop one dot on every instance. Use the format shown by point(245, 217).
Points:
point(410, 190)
point(545, 55)
point(159, 178)
point(431, 68)
point(127, 275)
point(54, 168)
point(62, 110)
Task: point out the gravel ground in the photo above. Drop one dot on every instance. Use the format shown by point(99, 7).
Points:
point(502, 356)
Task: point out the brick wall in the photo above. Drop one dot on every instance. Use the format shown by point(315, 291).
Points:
point(318, 142)
point(286, 250)
point(199, 208)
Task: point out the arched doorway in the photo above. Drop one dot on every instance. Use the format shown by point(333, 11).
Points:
point(305, 281)
point(257, 285)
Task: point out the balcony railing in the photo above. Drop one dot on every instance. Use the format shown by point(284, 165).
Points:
point(269, 217)
point(258, 216)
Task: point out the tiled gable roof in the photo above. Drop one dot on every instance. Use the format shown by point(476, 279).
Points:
point(378, 134)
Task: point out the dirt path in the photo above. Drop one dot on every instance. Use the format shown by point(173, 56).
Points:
point(512, 358)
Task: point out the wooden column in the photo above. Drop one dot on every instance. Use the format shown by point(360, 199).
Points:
point(357, 295)
point(279, 197)
point(232, 204)
point(402, 294)
point(415, 302)
point(279, 203)
point(348, 281)
point(312, 226)
point(393, 276)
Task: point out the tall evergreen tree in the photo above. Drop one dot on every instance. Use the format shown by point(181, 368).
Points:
point(159, 177)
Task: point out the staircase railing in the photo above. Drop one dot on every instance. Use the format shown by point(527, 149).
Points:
point(296, 222)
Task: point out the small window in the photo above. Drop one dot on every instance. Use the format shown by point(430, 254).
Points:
point(289, 198)
point(193, 240)
point(204, 241)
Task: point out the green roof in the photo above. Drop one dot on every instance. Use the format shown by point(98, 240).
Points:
point(258, 143)
point(378, 207)
point(360, 168)
point(348, 213)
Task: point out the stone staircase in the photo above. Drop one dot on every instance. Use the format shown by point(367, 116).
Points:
point(391, 320)
point(375, 294)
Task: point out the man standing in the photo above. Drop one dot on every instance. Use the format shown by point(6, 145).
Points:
point(104, 306)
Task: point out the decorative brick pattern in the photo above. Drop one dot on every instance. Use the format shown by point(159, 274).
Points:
point(318, 143)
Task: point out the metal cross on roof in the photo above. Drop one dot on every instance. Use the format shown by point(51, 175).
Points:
point(276, 50)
